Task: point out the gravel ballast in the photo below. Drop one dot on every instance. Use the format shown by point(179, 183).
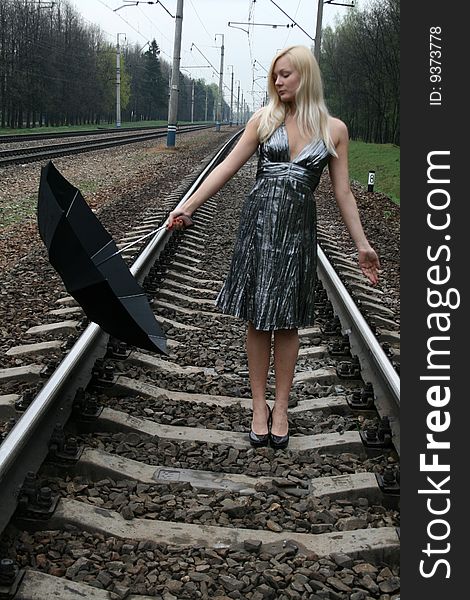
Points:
point(123, 184)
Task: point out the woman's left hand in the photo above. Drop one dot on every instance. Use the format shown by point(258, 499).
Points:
point(369, 263)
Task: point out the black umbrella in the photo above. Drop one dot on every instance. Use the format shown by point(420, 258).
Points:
point(92, 269)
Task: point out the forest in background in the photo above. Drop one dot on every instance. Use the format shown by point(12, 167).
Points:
point(56, 70)
point(360, 63)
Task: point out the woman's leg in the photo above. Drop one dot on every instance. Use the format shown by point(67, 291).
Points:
point(286, 349)
point(258, 349)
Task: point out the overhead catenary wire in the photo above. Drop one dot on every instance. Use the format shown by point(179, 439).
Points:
point(205, 58)
point(154, 25)
point(200, 20)
point(251, 17)
point(295, 16)
point(111, 35)
point(293, 20)
point(131, 26)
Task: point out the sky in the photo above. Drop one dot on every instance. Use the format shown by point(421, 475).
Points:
point(203, 21)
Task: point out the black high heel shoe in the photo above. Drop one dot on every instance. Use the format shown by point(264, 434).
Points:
point(278, 442)
point(258, 441)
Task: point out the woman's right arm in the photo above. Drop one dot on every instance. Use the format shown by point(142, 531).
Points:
point(244, 149)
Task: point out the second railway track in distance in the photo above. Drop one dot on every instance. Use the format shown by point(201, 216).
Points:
point(108, 139)
point(151, 490)
point(44, 135)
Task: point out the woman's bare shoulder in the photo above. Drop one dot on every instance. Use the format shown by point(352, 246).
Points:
point(338, 130)
point(256, 116)
point(251, 128)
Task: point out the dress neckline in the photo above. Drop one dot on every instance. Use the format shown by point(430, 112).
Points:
point(286, 133)
point(307, 145)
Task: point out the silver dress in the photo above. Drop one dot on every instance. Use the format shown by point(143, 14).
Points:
point(271, 279)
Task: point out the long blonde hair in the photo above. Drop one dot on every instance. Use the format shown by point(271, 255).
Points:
point(311, 111)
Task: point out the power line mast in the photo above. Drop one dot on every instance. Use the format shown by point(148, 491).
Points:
point(221, 84)
point(317, 47)
point(238, 103)
point(175, 74)
point(118, 81)
point(173, 103)
point(231, 99)
point(192, 101)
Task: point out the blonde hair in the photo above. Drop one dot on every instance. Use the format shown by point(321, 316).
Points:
point(312, 113)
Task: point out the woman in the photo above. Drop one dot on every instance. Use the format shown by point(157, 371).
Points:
point(271, 279)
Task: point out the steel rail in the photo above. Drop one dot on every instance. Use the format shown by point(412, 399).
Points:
point(121, 135)
point(28, 137)
point(18, 441)
point(17, 437)
point(150, 252)
point(16, 139)
point(17, 452)
point(375, 365)
point(21, 432)
point(33, 153)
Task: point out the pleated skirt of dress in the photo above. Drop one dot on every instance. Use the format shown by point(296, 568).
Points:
point(271, 279)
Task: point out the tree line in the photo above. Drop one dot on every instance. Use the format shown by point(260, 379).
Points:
point(57, 70)
point(360, 63)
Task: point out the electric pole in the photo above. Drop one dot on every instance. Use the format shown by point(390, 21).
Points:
point(231, 99)
point(238, 103)
point(118, 81)
point(192, 102)
point(174, 80)
point(175, 75)
point(221, 83)
point(317, 47)
point(318, 31)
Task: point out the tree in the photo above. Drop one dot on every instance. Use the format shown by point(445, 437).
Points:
point(57, 70)
point(360, 67)
point(153, 86)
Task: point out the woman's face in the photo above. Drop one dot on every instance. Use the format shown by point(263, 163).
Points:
point(286, 79)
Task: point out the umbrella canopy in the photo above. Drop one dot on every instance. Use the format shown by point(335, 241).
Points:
point(88, 261)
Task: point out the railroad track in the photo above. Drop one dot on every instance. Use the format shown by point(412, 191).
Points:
point(33, 153)
point(144, 470)
point(10, 139)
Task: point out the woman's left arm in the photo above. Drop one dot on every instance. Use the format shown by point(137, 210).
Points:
point(339, 174)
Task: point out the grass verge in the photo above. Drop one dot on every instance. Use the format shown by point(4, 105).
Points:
point(384, 159)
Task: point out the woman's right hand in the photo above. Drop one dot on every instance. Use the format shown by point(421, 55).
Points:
point(179, 219)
